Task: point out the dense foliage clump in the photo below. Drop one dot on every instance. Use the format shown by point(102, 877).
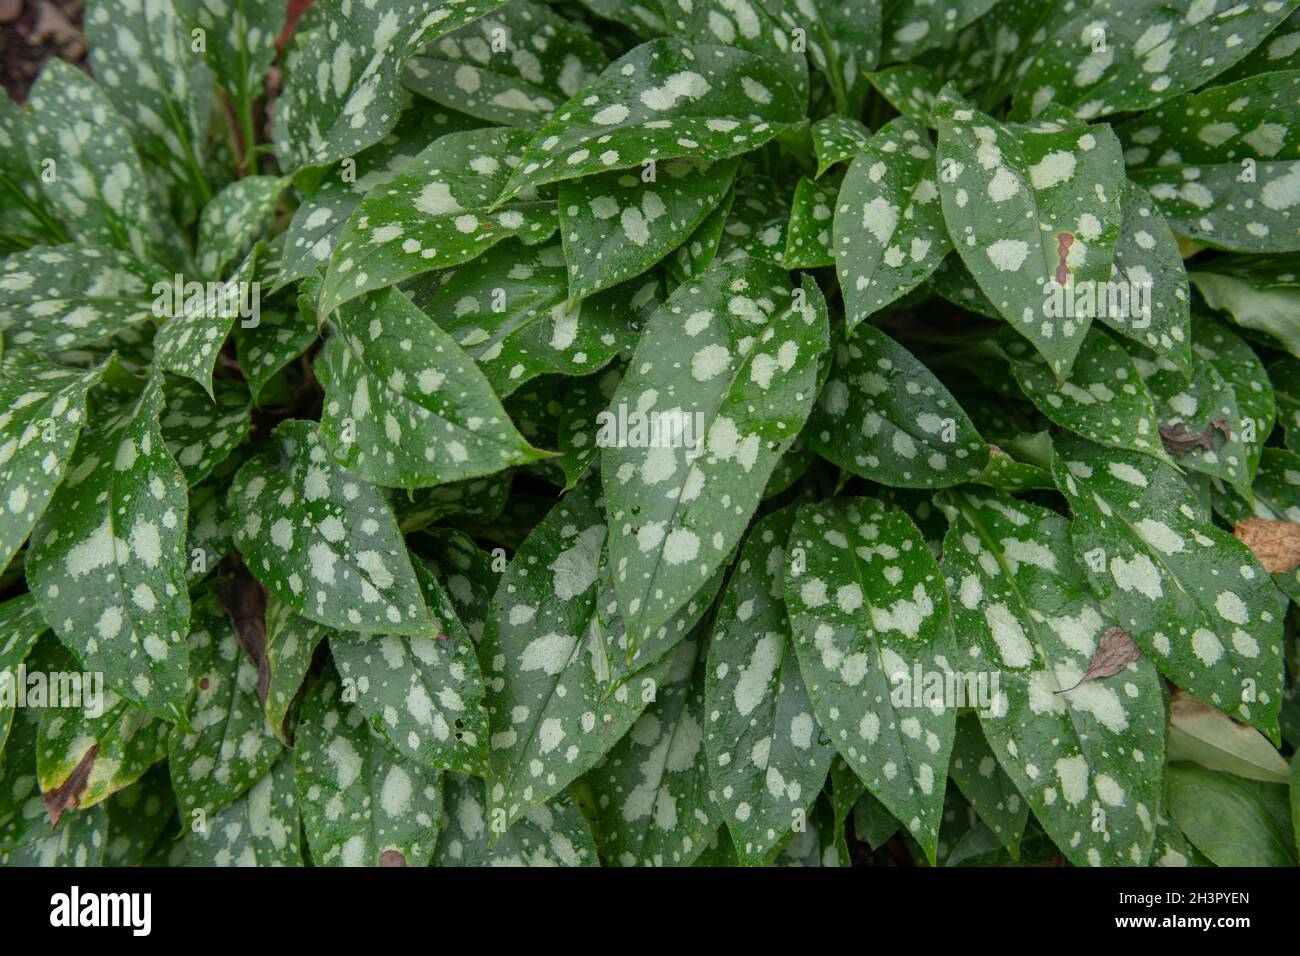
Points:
point(683, 432)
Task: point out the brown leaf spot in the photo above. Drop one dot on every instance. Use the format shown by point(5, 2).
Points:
point(1115, 651)
point(1064, 240)
point(1275, 543)
point(391, 858)
point(245, 601)
point(67, 795)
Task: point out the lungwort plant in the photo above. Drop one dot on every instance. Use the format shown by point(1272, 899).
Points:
point(698, 432)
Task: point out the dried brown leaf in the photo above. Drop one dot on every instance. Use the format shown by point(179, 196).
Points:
point(245, 601)
point(1275, 543)
point(1115, 651)
point(67, 795)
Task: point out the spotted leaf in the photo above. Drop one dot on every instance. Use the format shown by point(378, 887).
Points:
point(99, 189)
point(1087, 758)
point(343, 72)
point(291, 642)
point(279, 337)
point(883, 415)
point(106, 559)
point(655, 804)
point(768, 756)
point(231, 747)
point(992, 794)
point(239, 42)
point(512, 67)
point(232, 220)
point(663, 100)
point(201, 433)
point(911, 89)
point(808, 237)
point(1105, 399)
point(1116, 56)
point(836, 139)
point(422, 694)
point(888, 228)
point(436, 213)
point(404, 405)
point(868, 610)
point(731, 358)
point(140, 54)
point(44, 410)
point(917, 25)
point(615, 226)
point(843, 40)
point(323, 541)
point(508, 312)
point(362, 804)
point(1228, 397)
point(1193, 597)
point(261, 828)
point(1027, 207)
point(1148, 272)
point(1223, 165)
point(550, 834)
point(545, 664)
point(61, 297)
point(21, 624)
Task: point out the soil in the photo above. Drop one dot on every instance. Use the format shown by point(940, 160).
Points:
point(32, 31)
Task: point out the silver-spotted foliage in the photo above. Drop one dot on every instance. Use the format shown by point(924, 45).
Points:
point(665, 432)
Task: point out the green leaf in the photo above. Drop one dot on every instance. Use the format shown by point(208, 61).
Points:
point(200, 433)
point(208, 533)
point(21, 624)
point(291, 642)
point(843, 40)
point(756, 227)
point(584, 400)
point(808, 238)
point(404, 405)
point(1221, 167)
point(280, 336)
point(1234, 822)
point(86, 755)
point(232, 747)
point(1104, 400)
point(911, 89)
point(1115, 56)
point(1147, 261)
point(768, 757)
point(323, 541)
point(746, 26)
point(551, 834)
point(436, 213)
point(736, 352)
point(362, 804)
point(233, 219)
point(1028, 206)
point(61, 297)
point(137, 818)
point(916, 25)
point(140, 52)
point(1254, 305)
point(883, 415)
point(867, 606)
point(1192, 596)
point(106, 560)
point(25, 215)
point(697, 253)
point(79, 842)
point(44, 409)
point(616, 226)
point(1202, 735)
point(654, 799)
point(1086, 755)
point(889, 232)
point(507, 310)
point(99, 187)
point(663, 100)
point(422, 694)
point(542, 635)
point(836, 139)
point(467, 573)
point(343, 69)
point(1228, 385)
point(261, 828)
point(991, 793)
point(239, 42)
point(512, 67)
point(320, 217)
